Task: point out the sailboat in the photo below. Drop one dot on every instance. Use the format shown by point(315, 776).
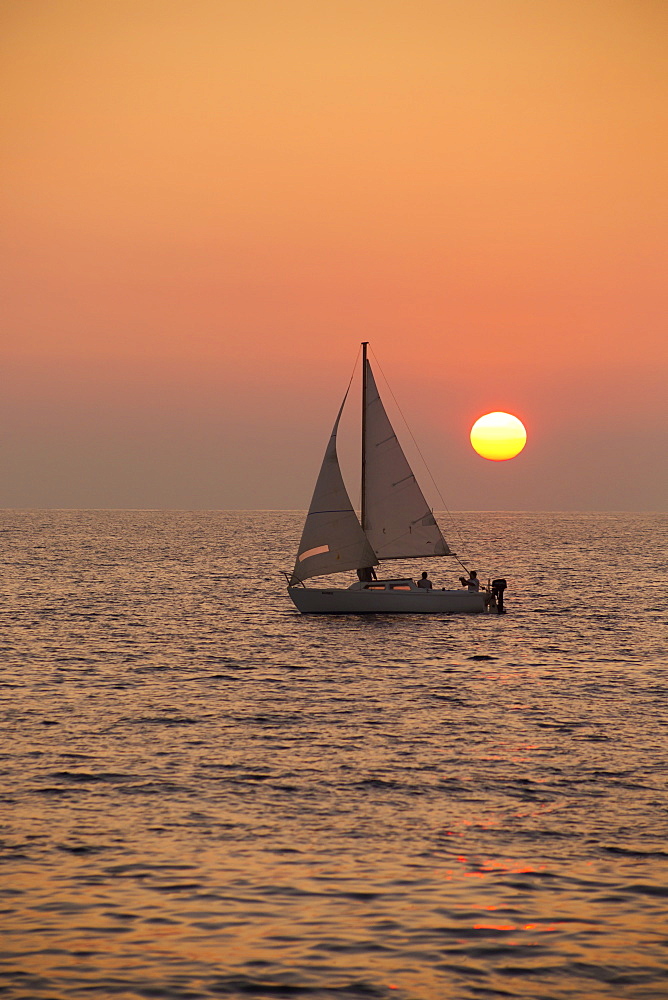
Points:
point(395, 523)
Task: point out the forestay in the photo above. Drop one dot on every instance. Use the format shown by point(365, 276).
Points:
point(332, 540)
point(398, 521)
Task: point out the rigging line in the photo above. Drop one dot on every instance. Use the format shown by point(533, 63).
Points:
point(350, 382)
point(359, 351)
point(424, 462)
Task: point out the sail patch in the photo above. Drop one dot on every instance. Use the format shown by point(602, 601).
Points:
point(313, 552)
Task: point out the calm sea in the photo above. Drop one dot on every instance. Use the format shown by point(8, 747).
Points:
point(205, 794)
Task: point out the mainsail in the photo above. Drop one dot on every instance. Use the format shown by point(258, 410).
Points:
point(397, 520)
point(332, 539)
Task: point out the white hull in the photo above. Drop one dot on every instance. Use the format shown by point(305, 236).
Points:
point(329, 601)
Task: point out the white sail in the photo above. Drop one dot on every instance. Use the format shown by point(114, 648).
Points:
point(397, 518)
point(332, 539)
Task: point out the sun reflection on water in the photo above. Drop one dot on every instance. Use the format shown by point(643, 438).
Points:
point(209, 794)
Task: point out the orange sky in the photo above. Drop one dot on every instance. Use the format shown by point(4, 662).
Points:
point(208, 204)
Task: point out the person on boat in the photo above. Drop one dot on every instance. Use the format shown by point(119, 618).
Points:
point(424, 582)
point(366, 574)
point(472, 584)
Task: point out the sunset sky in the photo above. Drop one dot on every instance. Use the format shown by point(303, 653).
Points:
point(208, 204)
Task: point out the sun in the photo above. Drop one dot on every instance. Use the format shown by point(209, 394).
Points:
point(498, 436)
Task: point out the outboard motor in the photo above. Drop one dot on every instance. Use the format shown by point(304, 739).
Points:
point(498, 587)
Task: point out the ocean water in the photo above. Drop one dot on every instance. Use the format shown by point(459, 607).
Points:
point(205, 794)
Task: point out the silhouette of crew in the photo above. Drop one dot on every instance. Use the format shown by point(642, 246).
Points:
point(472, 584)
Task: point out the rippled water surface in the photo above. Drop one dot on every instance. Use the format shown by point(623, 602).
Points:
point(205, 794)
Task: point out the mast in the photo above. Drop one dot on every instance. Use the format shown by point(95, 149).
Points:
point(365, 344)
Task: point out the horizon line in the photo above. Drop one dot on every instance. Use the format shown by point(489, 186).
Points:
point(304, 510)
